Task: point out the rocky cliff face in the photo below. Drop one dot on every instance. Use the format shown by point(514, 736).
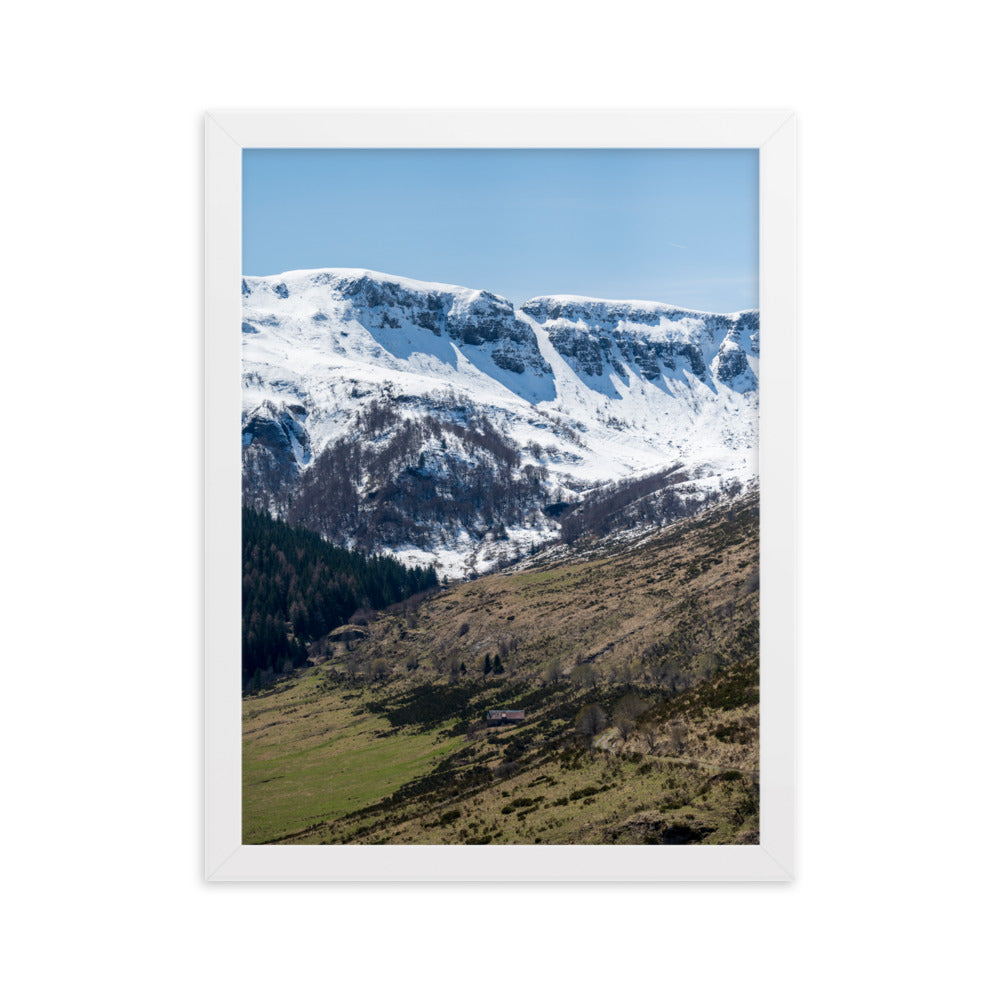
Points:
point(381, 303)
point(655, 341)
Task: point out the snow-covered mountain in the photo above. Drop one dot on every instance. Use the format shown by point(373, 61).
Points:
point(442, 423)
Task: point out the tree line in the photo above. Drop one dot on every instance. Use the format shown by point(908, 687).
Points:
point(421, 476)
point(657, 499)
point(297, 587)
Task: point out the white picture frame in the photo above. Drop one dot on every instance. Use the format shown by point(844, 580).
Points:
point(227, 133)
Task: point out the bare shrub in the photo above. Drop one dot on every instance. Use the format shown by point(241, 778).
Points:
point(583, 674)
point(590, 720)
point(628, 709)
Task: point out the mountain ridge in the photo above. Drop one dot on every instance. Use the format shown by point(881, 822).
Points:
point(354, 273)
point(580, 391)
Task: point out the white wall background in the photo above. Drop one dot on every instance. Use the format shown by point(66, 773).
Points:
point(102, 386)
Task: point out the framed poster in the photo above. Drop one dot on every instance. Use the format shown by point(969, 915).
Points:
point(500, 496)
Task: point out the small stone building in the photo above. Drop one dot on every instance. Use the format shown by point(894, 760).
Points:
point(504, 716)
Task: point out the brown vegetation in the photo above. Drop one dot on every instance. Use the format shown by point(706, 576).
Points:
point(638, 671)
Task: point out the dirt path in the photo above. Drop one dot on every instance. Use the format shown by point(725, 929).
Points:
point(602, 741)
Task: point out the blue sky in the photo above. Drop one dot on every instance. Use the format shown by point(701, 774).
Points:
point(677, 226)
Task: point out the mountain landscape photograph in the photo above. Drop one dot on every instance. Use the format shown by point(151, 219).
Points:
point(500, 524)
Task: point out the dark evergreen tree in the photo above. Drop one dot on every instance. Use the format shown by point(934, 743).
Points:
point(297, 587)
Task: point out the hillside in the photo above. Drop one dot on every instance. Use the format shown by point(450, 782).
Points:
point(636, 665)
